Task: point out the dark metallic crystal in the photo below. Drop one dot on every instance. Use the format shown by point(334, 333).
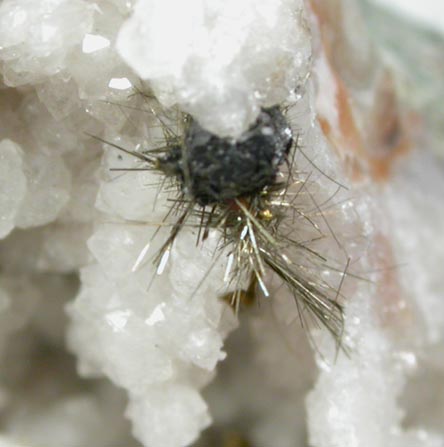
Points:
point(214, 170)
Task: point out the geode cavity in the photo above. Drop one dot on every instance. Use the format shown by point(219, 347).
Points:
point(214, 170)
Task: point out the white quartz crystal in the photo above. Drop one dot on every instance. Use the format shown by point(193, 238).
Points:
point(35, 37)
point(12, 185)
point(169, 416)
point(49, 184)
point(220, 60)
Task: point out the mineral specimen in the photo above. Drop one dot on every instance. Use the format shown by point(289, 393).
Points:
point(78, 234)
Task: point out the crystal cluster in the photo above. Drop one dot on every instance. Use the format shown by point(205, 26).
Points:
point(220, 60)
point(100, 346)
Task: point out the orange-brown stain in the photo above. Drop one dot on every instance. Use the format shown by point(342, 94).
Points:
point(369, 151)
point(364, 155)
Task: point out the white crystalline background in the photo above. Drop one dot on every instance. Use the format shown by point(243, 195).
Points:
point(100, 348)
point(429, 12)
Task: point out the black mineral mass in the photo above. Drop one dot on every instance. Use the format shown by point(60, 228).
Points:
point(215, 170)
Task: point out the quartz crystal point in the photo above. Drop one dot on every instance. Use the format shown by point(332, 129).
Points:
point(101, 347)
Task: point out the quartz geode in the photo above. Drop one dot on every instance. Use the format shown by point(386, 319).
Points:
point(78, 231)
